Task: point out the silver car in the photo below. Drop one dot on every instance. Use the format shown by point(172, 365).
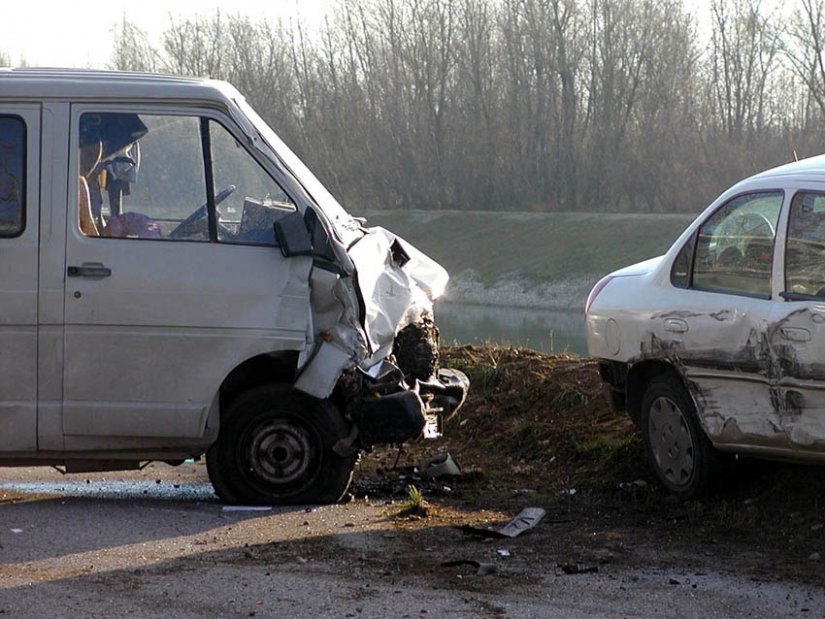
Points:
point(719, 345)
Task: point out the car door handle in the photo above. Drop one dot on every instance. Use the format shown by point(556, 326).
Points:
point(89, 269)
point(676, 325)
point(796, 334)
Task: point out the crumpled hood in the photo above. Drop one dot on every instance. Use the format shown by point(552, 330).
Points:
point(398, 284)
point(356, 317)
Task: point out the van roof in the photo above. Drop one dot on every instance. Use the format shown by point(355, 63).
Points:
point(39, 84)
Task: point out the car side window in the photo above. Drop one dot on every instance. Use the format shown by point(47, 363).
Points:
point(12, 175)
point(805, 245)
point(142, 176)
point(250, 200)
point(734, 247)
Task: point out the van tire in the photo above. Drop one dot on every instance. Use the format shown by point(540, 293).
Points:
point(676, 446)
point(275, 447)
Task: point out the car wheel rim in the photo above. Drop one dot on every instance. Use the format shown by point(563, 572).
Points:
point(282, 454)
point(671, 442)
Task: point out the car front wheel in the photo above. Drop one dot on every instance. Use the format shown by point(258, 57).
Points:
point(676, 446)
point(275, 446)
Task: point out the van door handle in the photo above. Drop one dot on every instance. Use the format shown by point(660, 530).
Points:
point(796, 334)
point(89, 269)
point(676, 325)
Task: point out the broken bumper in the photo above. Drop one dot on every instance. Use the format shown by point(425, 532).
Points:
point(410, 413)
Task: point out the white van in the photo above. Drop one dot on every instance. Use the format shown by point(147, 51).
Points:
point(174, 281)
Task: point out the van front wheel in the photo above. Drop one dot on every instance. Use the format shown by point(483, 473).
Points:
point(275, 446)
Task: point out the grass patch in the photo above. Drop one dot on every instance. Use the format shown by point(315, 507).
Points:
point(539, 247)
point(566, 400)
point(482, 368)
point(607, 448)
point(414, 506)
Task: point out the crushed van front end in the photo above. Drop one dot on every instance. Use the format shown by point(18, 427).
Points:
point(373, 345)
point(375, 351)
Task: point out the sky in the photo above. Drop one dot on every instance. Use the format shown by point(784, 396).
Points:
point(55, 33)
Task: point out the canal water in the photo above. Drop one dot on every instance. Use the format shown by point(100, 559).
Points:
point(545, 330)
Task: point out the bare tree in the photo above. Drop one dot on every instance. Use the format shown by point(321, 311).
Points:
point(196, 46)
point(806, 49)
point(517, 104)
point(744, 56)
point(133, 51)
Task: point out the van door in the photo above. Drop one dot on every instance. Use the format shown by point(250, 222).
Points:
point(172, 276)
point(19, 214)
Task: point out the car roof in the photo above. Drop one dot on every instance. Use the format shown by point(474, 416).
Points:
point(41, 84)
point(810, 169)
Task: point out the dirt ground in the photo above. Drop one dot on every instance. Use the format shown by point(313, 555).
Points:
point(534, 432)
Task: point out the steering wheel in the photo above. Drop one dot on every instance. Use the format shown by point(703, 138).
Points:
point(193, 224)
point(754, 221)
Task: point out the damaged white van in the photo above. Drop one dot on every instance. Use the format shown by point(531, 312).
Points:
point(719, 345)
point(174, 282)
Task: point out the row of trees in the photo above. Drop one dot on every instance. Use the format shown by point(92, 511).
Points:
point(520, 104)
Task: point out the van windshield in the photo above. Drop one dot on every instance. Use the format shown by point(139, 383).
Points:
point(347, 228)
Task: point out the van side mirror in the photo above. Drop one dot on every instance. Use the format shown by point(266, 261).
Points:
point(292, 235)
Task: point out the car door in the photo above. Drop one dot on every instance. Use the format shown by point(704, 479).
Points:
point(717, 324)
point(165, 293)
point(797, 329)
point(19, 225)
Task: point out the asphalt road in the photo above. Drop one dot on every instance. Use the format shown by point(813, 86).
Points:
point(159, 544)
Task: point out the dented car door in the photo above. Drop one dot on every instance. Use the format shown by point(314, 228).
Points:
point(796, 335)
point(719, 336)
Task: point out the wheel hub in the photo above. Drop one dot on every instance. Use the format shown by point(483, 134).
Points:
point(281, 452)
point(671, 441)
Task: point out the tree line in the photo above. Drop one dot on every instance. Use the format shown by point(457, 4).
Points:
point(545, 105)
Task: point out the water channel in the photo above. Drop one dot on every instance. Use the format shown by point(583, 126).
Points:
point(545, 330)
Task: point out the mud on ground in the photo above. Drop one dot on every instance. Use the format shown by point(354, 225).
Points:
point(537, 431)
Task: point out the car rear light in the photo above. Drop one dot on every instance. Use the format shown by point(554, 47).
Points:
point(596, 290)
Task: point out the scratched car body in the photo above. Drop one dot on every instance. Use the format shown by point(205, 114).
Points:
point(176, 282)
point(719, 345)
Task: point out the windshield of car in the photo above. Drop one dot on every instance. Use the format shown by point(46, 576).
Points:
point(347, 228)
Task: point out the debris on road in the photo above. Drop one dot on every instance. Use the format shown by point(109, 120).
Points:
point(441, 465)
point(528, 518)
point(430, 477)
point(578, 568)
point(482, 569)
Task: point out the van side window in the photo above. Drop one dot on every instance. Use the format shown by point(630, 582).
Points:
point(12, 175)
point(734, 247)
point(255, 202)
point(147, 176)
point(142, 176)
point(805, 245)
